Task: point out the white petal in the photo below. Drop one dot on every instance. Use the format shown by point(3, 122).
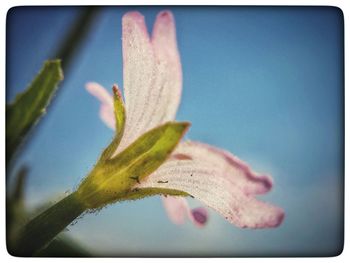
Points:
point(152, 75)
point(169, 75)
point(219, 180)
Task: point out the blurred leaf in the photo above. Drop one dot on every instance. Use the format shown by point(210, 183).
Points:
point(15, 211)
point(30, 105)
point(18, 192)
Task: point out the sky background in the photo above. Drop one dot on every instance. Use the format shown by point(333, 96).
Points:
point(264, 83)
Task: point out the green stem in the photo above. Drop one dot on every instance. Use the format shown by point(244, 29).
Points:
point(42, 229)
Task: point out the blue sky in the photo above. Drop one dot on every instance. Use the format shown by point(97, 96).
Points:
point(264, 83)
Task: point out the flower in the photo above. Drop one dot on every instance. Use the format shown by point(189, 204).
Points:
point(152, 89)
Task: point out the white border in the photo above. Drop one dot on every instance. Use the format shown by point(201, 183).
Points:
point(6, 5)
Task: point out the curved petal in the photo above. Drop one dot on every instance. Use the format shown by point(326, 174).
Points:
point(230, 166)
point(221, 181)
point(177, 209)
point(152, 74)
point(106, 109)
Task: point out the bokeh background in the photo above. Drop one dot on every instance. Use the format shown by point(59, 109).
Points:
point(263, 83)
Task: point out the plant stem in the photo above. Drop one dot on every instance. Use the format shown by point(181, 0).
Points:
point(39, 232)
point(76, 35)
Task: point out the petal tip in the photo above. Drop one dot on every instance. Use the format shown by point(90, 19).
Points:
point(274, 221)
point(165, 16)
point(90, 86)
point(99, 92)
point(200, 216)
point(267, 181)
point(133, 16)
point(132, 20)
point(280, 215)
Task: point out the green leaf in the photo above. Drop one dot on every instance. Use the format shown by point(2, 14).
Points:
point(113, 179)
point(119, 113)
point(30, 105)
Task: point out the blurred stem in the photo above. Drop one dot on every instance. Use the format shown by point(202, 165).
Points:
point(75, 36)
point(15, 212)
point(42, 229)
point(18, 192)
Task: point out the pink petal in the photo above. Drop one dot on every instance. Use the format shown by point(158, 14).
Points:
point(169, 65)
point(222, 182)
point(177, 209)
point(152, 74)
point(106, 109)
point(248, 180)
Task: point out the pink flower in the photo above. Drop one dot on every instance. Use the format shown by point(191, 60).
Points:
point(152, 91)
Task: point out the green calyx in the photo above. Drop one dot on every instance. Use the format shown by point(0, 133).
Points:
point(113, 179)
